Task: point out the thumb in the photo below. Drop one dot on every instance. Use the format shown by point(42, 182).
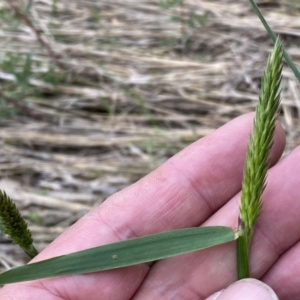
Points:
point(246, 289)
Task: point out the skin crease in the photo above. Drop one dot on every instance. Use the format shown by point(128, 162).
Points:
point(198, 186)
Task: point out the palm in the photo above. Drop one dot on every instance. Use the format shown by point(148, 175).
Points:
point(198, 186)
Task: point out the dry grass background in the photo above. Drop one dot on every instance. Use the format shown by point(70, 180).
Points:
point(114, 88)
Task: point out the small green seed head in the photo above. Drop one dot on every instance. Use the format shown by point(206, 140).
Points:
point(260, 143)
point(13, 224)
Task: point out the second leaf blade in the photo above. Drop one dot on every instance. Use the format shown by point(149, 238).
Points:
point(121, 254)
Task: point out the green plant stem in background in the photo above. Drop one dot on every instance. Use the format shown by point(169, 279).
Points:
point(274, 38)
point(259, 148)
point(13, 225)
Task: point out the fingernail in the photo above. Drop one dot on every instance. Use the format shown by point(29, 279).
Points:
point(246, 289)
point(215, 295)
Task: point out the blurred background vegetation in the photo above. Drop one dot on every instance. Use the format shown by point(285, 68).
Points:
point(96, 94)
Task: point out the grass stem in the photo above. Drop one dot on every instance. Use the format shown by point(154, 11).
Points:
point(242, 257)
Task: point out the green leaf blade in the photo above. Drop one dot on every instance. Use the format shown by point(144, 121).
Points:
point(122, 254)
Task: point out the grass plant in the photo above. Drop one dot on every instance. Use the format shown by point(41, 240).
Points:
point(188, 19)
point(256, 165)
point(168, 244)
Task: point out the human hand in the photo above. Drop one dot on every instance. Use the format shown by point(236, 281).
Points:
point(198, 186)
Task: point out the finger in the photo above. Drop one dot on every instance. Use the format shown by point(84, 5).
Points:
point(201, 273)
point(184, 192)
point(284, 275)
point(247, 289)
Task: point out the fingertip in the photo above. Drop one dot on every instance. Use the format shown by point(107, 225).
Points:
point(246, 289)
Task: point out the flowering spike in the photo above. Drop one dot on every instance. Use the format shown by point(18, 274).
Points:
point(13, 225)
point(257, 159)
